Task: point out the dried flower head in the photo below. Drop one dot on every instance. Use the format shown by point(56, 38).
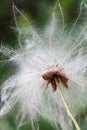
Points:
point(55, 72)
point(55, 55)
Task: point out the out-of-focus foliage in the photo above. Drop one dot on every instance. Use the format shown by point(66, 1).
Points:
point(39, 11)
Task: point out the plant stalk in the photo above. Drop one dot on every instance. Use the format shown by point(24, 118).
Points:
point(67, 107)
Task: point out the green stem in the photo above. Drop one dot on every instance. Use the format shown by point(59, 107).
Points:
point(67, 107)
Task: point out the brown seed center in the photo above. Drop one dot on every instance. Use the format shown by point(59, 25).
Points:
point(52, 76)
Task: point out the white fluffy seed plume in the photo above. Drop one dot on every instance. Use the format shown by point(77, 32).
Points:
point(55, 49)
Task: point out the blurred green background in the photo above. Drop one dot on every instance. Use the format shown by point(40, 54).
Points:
point(38, 10)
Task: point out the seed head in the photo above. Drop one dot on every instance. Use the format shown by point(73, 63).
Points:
point(54, 55)
point(55, 74)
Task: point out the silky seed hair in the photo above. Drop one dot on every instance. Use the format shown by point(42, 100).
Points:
point(54, 55)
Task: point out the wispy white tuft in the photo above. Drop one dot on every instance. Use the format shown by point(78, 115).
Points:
point(27, 88)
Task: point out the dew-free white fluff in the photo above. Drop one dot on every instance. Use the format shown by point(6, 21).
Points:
point(56, 45)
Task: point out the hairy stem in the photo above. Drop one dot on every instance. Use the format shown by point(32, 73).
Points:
point(67, 107)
